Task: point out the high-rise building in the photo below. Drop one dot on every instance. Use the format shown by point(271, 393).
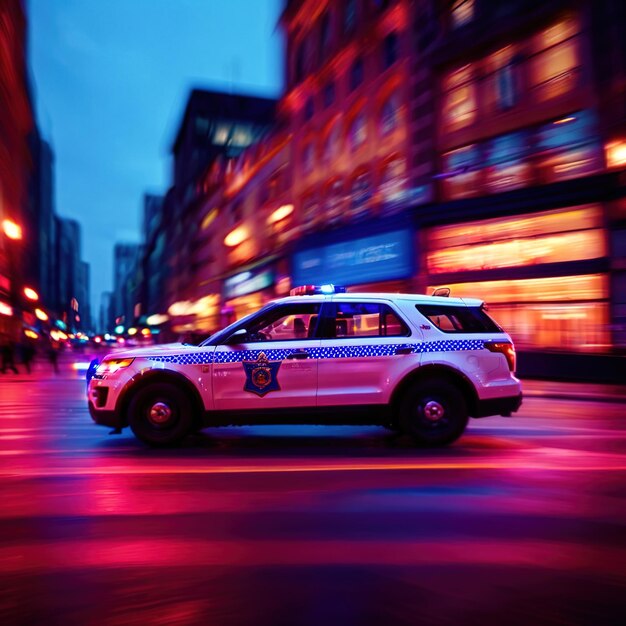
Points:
point(83, 298)
point(16, 122)
point(125, 259)
point(68, 271)
point(216, 127)
point(105, 319)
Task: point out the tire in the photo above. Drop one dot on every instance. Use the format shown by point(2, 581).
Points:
point(160, 414)
point(440, 399)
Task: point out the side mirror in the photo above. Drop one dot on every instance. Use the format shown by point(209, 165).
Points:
point(239, 336)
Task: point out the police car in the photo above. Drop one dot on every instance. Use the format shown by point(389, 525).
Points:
point(418, 364)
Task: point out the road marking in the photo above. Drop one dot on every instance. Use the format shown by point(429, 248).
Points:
point(130, 553)
point(520, 464)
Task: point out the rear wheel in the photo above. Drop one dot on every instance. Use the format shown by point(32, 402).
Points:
point(160, 414)
point(433, 412)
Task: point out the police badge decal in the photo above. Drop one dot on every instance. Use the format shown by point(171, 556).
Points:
point(261, 375)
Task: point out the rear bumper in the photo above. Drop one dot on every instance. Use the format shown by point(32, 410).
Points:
point(105, 418)
point(498, 406)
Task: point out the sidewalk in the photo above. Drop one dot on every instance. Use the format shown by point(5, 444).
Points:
point(532, 388)
point(578, 391)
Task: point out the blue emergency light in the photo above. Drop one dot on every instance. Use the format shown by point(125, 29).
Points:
point(311, 290)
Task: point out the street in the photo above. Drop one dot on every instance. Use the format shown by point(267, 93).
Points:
point(522, 521)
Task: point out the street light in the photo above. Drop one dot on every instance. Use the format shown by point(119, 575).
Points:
point(11, 229)
point(31, 294)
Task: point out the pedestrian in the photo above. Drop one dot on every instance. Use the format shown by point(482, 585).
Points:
point(28, 354)
point(53, 355)
point(8, 354)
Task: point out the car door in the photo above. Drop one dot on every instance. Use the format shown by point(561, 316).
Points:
point(272, 364)
point(367, 347)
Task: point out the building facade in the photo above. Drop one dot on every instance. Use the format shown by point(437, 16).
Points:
point(16, 123)
point(126, 257)
point(530, 145)
point(464, 143)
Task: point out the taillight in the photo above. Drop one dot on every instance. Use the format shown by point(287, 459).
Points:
point(504, 347)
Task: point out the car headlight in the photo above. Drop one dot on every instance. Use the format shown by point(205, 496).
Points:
point(111, 366)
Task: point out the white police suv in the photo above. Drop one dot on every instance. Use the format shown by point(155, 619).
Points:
point(418, 364)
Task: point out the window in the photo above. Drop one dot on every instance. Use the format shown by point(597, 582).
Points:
point(390, 115)
point(507, 162)
point(462, 176)
point(501, 79)
point(358, 131)
point(555, 65)
point(557, 236)
point(393, 186)
point(361, 195)
point(299, 69)
point(458, 319)
point(349, 16)
point(308, 157)
point(381, 5)
point(236, 214)
point(569, 148)
point(356, 74)
point(331, 145)
point(365, 319)
point(334, 203)
point(309, 109)
point(459, 98)
point(290, 322)
point(462, 12)
point(390, 50)
point(324, 34)
point(310, 211)
point(329, 94)
point(559, 312)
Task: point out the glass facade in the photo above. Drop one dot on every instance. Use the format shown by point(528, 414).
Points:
point(554, 312)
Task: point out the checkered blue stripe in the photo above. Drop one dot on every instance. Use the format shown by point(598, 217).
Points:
point(330, 352)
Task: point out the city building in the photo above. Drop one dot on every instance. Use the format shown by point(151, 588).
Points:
point(469, 144)
point(42, 265)
point(126, 258)
point(105, 318)
point(68, 272)
point(349, 104)
point(215, 129)
point(16, 123)
point(84, 321)
point(152, 262)
point(530, 149)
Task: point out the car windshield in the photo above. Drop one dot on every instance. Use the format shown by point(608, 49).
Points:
point(221, 335)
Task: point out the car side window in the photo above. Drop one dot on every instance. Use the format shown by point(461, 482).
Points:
point(285, 323)
point(458, 319)
point(365, 319)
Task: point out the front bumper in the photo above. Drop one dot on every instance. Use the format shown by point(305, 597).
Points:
point(105, 418)
point(498, 406)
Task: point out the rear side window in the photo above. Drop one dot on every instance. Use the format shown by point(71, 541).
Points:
point(458, 319)
point(365, 319)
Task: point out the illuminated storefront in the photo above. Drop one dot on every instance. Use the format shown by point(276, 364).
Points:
point(246, 292)
point(558, 301)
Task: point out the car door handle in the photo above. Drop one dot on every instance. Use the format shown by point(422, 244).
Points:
point(301, 354)
point(404, 350)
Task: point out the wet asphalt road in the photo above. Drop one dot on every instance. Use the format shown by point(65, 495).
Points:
point(523, 521)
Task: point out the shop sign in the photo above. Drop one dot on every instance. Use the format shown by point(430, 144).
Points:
point(387, 256)
point(247, 282)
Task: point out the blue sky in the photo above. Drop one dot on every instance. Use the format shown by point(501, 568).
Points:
point(110, 83)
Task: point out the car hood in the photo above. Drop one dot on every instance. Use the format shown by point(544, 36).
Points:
point(148, 351)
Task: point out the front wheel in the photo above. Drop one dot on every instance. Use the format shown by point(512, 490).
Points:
point(160, 414)
point(433, 412)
